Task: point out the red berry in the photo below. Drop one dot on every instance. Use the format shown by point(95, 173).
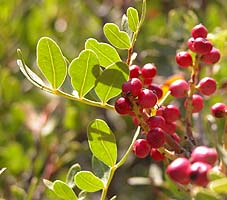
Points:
point(156, 155)
point(212, 57)
point(147, 99)
point(179, 171)
point(147, 81)
point(122, 106)
point(219, 110)
point(197, 103)
point(148, 70)
point(207, 86)
point(141, 148)
point(160, 111)
point(179, 88)
point(198, 174)
point(199, 31)
point(133, 86)
point(191, 44)
point(170, 127)
point(156, 122)
point(202, 46)
point(134, 71)
point(204, 154)
point(176, 137)
point(184, 59)
point(171, 113)
point(156, 137)
point(156, 89)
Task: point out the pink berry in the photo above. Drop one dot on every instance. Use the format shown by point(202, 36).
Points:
point(197, 103)
point(148, 70)
point(147, 98)
point(212, 57)
point(133, 86)
point(171, 113)
point(219, 110)
point(191, 44)
point(170, 127)
point(156, 155)
point(204, 154)
point(179, 171)
point(179, 88)
point(156, 89)
point(207, 86)
point(184, 59)
point(122, 106)
point(199, 31)
point(141, 148)
point(198, 174)
point(134, 71)
point(156, 137)
point(202, 46)
point(156, 122)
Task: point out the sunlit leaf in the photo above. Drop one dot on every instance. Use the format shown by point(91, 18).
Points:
point(51, 61)
point(71, 173)
point(87, 181)
point(102, 142)
point(206, 195)
point(219, 185)
point(133, 19)
point(117, 38)
point(214, 175)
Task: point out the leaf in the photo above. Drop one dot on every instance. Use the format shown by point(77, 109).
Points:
point(117, 38)
point(107, 55)
point(133, 19)
point(102, 142)
point(2, 170)
point(87, 181)
point(48, 184)
point(206, 195)
point(51, 61)
point(71, 173)
point(214, 175)
point(219, 185)
point(83, 71)
point(109, 83)
point(63, 191)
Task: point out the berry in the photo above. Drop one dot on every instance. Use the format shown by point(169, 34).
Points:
point(176, 137)
point(156, 122)
point(212, 57)
point(141, 148)
point(179, 88)
point(147, 81)
point(148, 70)
point(170, 127)
point(156, 155)
point(199, 31)
point(133, 86)
point(198, 174)
point(122, 106)
point(156, 89)
point(207, 86)
point(219, 110)
point(204, 154)
point(147, 98)
point(156, 137)
point(202, 46)
point(179, 171)
point(191, 44)
point(197, 103)
point(134, 71)
point(160, 111)
point(171, 113)
point(184, 59)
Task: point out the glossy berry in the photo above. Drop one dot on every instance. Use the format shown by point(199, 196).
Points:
point(171, 113)
point(141, 148)
point(122, 106)
point(202, 46)
point(160, 111)
point(156, 89)
point(134, 71)
point(170, 127)
point(199, 31)
point(212, 57)
point(219, 110)
point(179, 88)
point(191, 44)
point(147, 81)
point(204, 154)
point(156, 122)
point(156, 155)
point(147, 98)
point(133, 86)
point(198, 173)
point(156, 137)
point(184, 59)
point(197, 103)
point(207, 86)
point(179, 171)
point(148, 71)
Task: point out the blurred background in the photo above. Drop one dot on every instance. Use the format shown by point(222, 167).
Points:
point(42, 135)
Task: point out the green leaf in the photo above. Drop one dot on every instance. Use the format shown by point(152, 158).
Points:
point(63, 191)
point(117, 38)
point(107, 55)
point(87, 181)
point(48, 184)
point(51, 61)
point(214, 175)
point(133, 19)
point(71, 173)
point(83, 71)
point(219, 185)
point(102, 142)
point(109, 83)
point(206, 195)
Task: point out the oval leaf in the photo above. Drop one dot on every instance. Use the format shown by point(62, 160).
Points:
point(109, 83)
point(51, 61)
point(102, 142)
point(63, 191)
point(83, 71)
point(107, 55)
point(219, 185)
point(119, 39)
point(71, 173)
point(133, 19)
point(87, 181)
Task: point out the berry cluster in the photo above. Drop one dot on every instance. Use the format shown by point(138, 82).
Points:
point(194, 170)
